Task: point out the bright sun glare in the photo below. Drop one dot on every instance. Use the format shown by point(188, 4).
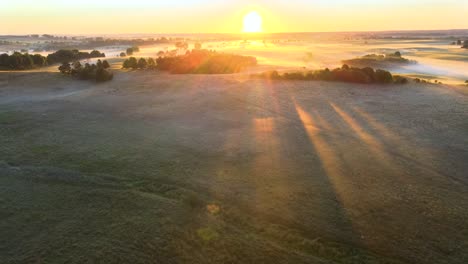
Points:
point(252, 22)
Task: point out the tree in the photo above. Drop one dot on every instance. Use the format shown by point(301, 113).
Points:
point(105, 64)
point(65, 68)
point(123, 54)
point(103, 75)
point(96, 54)
point(382, 76)
point(39, 60)
point(198, 46)
point(142, 63)
point(397, 54)
point(459, 42)
point(151, 64)
point(129, 51)
point(130, 63)
point(99, 64)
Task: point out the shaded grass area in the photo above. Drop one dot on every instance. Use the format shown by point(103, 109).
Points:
point(66, 201)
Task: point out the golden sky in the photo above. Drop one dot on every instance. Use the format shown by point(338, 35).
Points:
point(215, 16)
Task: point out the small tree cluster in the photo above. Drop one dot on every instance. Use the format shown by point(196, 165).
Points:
point(344, 74)
point(142, 63)
point(98, 72)
point(20, 61)
point(131, 50)
point(378, 60)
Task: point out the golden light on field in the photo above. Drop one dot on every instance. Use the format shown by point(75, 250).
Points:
point(253, 22)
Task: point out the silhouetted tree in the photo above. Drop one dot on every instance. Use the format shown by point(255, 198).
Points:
point(142, 63)
point(105, 64)
point(65, 68)
point(130, 63)
point(151, 64)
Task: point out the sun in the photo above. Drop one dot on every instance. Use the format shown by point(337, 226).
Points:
point(253, 22)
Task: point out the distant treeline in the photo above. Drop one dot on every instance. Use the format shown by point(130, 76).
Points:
point(91, 43)
point(25, 61)
point(344, 74)
point(98, 72)
point(196, 62)
point(20, 61)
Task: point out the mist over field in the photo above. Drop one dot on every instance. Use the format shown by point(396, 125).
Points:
point(240, 145)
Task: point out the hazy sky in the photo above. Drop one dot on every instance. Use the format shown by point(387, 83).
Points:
point(216, 16)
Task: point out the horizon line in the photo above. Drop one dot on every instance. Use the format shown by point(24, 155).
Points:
point(243, 33)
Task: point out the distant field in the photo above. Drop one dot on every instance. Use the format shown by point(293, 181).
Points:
point(158, 168)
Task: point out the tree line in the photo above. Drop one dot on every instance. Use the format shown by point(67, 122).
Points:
point(22, 61)
point(194, 62)
point(64, 55)
point(365, 75)
point(25, 61)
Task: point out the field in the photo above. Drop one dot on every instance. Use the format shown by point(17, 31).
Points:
point(159, 168)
